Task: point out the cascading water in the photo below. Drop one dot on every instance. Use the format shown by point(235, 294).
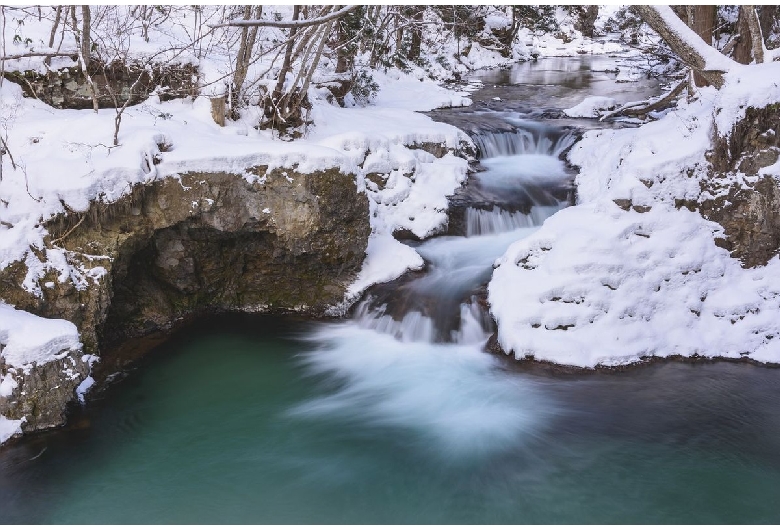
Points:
point(438, 306)
point(412, 356)
point(481, 222)
point(532, 138)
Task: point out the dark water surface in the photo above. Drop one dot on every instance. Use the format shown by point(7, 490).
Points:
point(234, 422)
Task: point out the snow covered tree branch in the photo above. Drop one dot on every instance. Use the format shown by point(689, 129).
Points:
point(291, 23)
point(699, 55)
point(25, 55)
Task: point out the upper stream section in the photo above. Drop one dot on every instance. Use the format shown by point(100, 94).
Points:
point(542, 89)
point(521, 179)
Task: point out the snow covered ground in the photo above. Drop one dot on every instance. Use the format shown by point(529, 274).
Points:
point(599, 285)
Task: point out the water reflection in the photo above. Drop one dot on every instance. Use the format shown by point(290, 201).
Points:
point(558, 71)
point(562, 82)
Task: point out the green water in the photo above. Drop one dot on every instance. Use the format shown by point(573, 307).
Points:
point(241, 421)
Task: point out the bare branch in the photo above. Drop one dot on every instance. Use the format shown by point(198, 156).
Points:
point(53, 35)
point(36, 54)
point(731, 44)
point(59, 240)
point(7, 151)
point(290, 23)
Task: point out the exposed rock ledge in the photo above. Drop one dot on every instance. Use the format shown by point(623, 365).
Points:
point(744, 179)
point(281, 242)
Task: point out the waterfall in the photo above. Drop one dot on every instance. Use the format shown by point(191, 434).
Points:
point(479, 222)
point(475, 324)
point(414, 327)
point(531, 141)
point(413, 354)
point(520, 166)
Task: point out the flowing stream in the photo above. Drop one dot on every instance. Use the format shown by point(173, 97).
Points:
point(398, 415)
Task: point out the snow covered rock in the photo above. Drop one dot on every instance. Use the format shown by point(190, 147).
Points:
point(744, 191)
point(275, 240)
point(591, 107)
point(41, 365)
point(68, 88)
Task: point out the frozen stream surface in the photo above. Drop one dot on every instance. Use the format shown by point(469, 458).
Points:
point(398, 415)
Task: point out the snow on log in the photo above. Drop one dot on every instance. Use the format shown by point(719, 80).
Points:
point(687, 44)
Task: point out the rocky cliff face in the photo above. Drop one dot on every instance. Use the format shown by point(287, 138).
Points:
point(748, 197)
point(280, 242)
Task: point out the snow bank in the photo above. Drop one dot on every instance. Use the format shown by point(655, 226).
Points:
point(9, 428)
point(26, 338)
point(590, 107)
point(406, 185)
point(600, 284)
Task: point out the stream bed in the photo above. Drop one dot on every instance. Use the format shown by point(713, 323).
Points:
point(398, 415)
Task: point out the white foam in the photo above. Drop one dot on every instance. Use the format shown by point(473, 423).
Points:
point(454, 398)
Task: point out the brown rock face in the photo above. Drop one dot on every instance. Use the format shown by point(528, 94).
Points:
point(748, 210)
point(293, 244)
point(43, 391)
point(285, 242)
point(68, 88)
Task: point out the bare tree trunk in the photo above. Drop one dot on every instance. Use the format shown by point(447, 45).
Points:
point(86, 38)
point(416, 44)
point(314, 63)
point(247, 44)
point(2, 44)
point(682, 12)
point(756, 39)
point(767, 15)
point(743, 48)
point(399, 31)
point(287, 54)
point(218, 110)
point(83, 59)
point(704, 22)
point(54, 26)
point(704, 25)
point(343, 58)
